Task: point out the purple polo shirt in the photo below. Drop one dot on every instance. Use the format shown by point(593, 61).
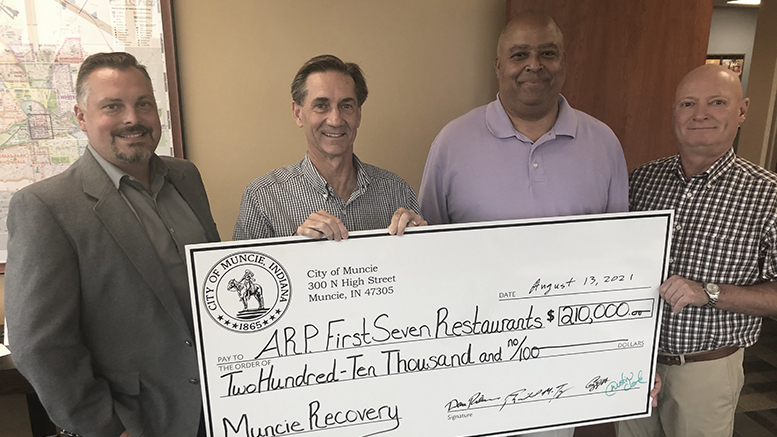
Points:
point(481, 169)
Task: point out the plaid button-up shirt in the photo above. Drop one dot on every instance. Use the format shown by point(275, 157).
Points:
point(724, 233)
point(275, 204)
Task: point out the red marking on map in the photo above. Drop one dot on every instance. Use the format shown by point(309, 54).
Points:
point(70, 51)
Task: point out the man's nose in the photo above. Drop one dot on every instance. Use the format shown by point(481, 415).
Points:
point(533, 62)
point(700, 112)
point(130, 116)
point(334, 118)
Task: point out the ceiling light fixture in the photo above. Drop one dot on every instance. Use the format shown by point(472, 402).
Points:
point(744, 2)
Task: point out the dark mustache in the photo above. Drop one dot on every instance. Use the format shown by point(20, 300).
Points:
point(134, 129)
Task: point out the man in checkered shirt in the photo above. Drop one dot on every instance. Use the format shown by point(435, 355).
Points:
point(723, 262)
point(330, 191)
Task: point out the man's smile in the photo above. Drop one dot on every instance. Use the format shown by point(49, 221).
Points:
point(131, 133)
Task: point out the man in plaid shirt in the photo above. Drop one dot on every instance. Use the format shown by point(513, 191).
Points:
point(723, 262)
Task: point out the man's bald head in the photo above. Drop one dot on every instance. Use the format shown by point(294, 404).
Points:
point(531, 20)
point(722, 76)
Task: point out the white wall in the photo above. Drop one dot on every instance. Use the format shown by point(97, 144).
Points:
point(732, 32)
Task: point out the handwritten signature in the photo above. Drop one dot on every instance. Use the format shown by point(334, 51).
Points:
point(477, 398)
point(526, 395)
point(626, 383)
point(596, 382)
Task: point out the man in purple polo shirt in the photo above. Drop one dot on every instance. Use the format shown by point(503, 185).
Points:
point(528, 153)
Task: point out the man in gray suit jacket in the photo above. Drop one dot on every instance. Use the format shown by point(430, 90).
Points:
point(97, 296)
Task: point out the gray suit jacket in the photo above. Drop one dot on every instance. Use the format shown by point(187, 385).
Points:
point(93, 322)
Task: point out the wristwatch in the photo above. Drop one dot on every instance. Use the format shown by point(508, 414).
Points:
point(713, 291)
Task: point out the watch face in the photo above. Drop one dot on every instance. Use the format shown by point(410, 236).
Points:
point(712, 289)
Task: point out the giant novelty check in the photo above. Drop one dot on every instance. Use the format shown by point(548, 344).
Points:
point(465, 330)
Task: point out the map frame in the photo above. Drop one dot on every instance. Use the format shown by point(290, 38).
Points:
point(170, 86)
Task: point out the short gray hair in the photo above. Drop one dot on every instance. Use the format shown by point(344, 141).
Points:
point(324, 63)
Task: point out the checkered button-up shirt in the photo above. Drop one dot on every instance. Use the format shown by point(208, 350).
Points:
point(724, 233)
point(274, 205)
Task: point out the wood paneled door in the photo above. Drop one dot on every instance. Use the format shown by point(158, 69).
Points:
point(625, 59)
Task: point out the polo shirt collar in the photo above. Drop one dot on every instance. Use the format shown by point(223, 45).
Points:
point(499, 123)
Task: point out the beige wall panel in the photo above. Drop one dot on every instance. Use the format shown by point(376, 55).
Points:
point(2, 299)
point(755, 138)
point(426, 62)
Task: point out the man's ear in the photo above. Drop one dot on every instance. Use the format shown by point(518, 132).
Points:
point(80, 116)
point(743, 109)
point(296, 112)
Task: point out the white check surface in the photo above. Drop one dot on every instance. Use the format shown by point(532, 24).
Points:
point(491, 328)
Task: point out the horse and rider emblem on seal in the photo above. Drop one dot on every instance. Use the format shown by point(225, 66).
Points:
point(246, 291)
